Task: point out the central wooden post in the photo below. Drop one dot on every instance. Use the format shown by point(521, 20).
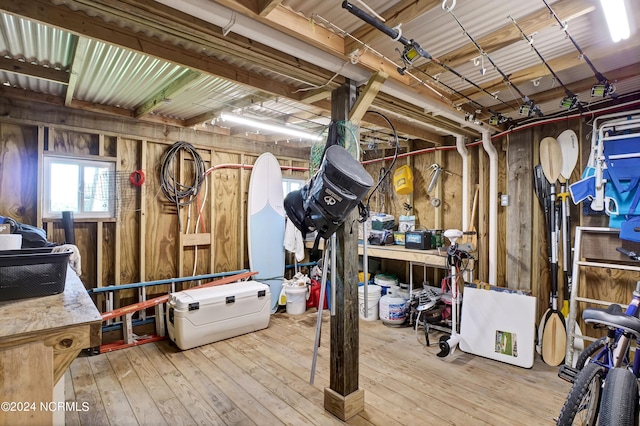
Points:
point(343, 398)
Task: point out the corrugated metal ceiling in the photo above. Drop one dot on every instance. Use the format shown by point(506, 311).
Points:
point(122, 78)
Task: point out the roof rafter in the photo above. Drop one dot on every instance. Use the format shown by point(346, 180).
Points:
point(400, 13)
point(174, 88)
point(34, 70)
point(559, 64)
point(508, 34)
point(79, 52)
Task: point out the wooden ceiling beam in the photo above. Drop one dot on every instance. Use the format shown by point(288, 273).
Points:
point(508, 34)
point(174, 88)
point(620, 74)
point(34, 70)
point(559, 64)
point(316, 95)
point(298, 26)
point(366, 97)
point(79, 56)
point(98, 29)
point(401, 13)
point(44, 98)
point(265, 7)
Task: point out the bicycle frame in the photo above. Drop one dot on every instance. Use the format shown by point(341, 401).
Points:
point(615, 352)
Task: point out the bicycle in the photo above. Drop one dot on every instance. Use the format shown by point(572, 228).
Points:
point(605, 386)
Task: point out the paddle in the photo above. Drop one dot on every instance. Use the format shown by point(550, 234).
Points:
point(541, 187)
point(554, 334)
point(568, 141)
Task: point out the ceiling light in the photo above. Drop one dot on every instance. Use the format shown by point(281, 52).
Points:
point(269, 127)
point(616, 16)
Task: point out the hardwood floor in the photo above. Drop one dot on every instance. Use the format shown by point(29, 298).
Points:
point(262, 378)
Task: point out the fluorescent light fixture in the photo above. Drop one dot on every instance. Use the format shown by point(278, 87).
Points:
point(269, 127)
point(616, 16)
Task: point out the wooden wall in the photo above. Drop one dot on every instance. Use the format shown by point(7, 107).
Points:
point(144, 242)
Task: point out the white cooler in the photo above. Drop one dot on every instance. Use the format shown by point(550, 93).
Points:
point(201, 316)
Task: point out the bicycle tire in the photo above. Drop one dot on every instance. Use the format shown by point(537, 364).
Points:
point(588, 352)
point(583, 401)
point(619, 403)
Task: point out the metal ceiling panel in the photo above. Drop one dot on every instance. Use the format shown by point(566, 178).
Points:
point(119, 77)
point(206, 94)
point(37, 44)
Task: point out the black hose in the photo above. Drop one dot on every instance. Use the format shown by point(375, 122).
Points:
point(174, 190)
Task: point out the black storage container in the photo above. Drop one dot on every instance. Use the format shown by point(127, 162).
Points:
point(32, 273)
point(419, 240)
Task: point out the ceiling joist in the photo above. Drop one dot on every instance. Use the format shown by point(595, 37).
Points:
point(508, 34)
point(34, 70)
point(174, 88)
point(79, 56)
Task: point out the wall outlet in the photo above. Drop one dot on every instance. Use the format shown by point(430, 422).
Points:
point(504, 200)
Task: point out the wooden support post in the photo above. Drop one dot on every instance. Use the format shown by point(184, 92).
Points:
point(343, 399)
point(142, 232)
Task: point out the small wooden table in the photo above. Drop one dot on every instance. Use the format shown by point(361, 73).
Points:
point(39, 338)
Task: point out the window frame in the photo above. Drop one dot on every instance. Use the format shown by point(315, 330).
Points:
point(288, 180)
point(81, 162)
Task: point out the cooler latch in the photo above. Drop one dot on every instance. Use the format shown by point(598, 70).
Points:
point(230, 299)
point(194, 306)
point(262, 293)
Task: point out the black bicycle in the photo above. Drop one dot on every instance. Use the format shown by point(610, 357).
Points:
point(605, 381)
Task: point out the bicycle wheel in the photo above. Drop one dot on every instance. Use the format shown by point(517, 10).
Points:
point(619, 404)
point(583, 401)
point(589, 352)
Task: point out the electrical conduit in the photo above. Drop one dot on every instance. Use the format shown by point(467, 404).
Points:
point(493, 208)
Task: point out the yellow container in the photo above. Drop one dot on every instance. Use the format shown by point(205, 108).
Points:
point(403, 180)
point(361, 277)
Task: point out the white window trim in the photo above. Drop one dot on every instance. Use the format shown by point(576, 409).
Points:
point(48, 160)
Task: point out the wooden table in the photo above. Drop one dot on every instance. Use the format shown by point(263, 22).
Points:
point(39, 338)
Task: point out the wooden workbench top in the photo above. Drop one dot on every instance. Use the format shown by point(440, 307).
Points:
point(39, 314)
point(432, 258)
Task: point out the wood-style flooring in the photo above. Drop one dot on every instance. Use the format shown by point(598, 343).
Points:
point(262, 378)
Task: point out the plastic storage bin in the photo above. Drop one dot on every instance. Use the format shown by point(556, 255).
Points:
point(32, 273)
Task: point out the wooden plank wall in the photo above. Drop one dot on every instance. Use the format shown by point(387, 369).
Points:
point(114, 251)
point(140, 244)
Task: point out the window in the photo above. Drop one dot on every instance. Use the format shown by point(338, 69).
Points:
point(291, 184)
point(85, 187)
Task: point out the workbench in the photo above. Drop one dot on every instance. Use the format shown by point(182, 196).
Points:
point(39, 338)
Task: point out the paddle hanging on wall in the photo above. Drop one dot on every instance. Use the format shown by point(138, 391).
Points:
point(554, 334)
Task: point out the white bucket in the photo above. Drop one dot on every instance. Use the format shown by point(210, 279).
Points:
point(393, 309)
point(296, 300)
point(10, 241)
point(373, 297)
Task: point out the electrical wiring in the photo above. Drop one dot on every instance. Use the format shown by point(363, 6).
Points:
point(174, 190)
point(364, 209)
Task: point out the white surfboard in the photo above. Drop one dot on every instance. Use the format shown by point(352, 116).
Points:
point(265, 227)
